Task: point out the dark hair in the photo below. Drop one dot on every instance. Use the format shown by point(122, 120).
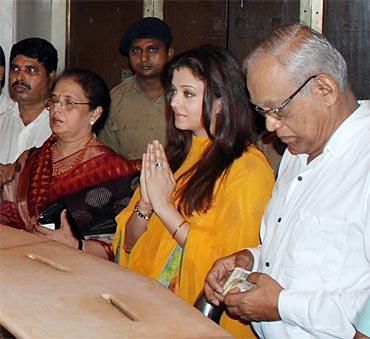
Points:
point(94, 88)
point(37, 48)
point(146, 28)
point(222, 79)
point(2, 63)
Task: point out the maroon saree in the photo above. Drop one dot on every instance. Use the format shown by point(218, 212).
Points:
point(97, 188)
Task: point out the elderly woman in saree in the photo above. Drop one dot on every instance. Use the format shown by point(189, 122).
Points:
point(73, 175)
point(203, 195)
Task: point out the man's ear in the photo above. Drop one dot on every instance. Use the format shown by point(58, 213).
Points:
point(325, 89)
point(171, 53)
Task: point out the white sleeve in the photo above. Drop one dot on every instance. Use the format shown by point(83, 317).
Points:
point(256, 251)
point(320, 313)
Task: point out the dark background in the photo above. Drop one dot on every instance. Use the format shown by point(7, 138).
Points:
point(96, 27)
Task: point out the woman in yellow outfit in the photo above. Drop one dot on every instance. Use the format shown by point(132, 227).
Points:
point(178, 224)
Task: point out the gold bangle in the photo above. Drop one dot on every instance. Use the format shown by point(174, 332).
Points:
point(177, 228)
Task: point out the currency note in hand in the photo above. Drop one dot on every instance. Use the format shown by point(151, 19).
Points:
point(238, 278)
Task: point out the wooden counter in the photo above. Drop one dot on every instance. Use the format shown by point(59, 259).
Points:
point(11, 237)
point(48, 290)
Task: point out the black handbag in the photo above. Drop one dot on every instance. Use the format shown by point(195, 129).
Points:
point(51, 214)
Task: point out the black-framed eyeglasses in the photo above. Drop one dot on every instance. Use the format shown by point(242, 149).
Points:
point(274, 112)
point(67, 103)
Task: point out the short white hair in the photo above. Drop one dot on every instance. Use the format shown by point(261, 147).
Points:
point(302, 52)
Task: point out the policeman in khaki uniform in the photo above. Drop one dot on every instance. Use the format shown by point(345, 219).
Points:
point(137, 114)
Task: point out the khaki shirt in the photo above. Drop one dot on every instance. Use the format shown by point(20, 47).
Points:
point(134, 120)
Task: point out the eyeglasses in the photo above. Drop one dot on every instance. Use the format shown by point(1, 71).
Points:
point(29, 69)
point(274, 112)
point(67, 103)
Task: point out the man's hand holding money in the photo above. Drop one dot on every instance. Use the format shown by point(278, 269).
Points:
point(238, 279)
point(259, 303)
point(220, 271)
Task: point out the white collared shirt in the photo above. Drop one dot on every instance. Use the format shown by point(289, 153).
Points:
point(15, 137)
point(6, 104)
point(316, 236)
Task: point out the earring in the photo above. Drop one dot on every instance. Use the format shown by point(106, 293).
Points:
point(92, 122)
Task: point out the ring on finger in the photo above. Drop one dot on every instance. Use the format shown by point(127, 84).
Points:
point(158, 165)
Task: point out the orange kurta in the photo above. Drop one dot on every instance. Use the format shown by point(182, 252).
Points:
point(230, 224)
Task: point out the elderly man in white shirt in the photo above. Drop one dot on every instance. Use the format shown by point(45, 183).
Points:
point(314, 262)
point(32, 71)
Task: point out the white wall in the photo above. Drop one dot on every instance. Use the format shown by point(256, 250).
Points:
point(58, 30)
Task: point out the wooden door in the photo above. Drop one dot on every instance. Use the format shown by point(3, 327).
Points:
point(346, 25)
point(250, 21)
point(96, 27)
point(95, 30)
point(195, 23)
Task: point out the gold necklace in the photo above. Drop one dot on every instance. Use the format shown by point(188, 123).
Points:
point(77, 160)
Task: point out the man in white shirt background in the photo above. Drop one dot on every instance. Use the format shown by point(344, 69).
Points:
point(32, 70)
point(6, 104)
point(312, 271)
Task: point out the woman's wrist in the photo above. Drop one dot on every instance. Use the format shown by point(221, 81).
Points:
point(165, 209)
point(177, 228)
point(143, 214)
point(144, 207)
point(99, 248)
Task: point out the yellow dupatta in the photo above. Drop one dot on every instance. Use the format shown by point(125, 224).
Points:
point(230, 224)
